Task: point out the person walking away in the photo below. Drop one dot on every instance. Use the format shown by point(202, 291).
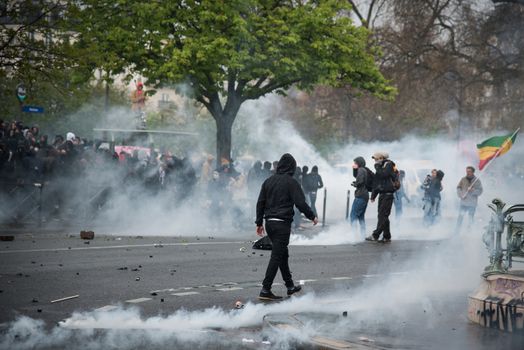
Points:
point(303, 182)
point(386, 183)
point(468, 190)
point(432, 188)
point(278, 195)
point(362, 186)
point(297, 219)
point(311, 187)
point(399, 195)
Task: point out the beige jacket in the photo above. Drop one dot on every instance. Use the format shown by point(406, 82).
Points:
point(469, 199)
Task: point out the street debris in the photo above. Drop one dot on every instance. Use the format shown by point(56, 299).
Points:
point(64, 299)
point(87, 242)
point(122, 268)
point(239, 305)
point(154, 294)
point(7, 238)
point(118, 238)
point(246, 340)
point(34, 300)
point(242, 249)
point(137, 279)
point(162, 300)
point(158, 245)
point(87, 235)
point(345, 314)
point(365, 339)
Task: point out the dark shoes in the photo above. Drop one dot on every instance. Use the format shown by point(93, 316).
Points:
point(385, 240)
point(371, 238)
point(267, 295)
point(293, 290)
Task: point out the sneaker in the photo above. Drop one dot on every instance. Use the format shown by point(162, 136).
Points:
point(371, 238)
point(293, 290)
point(267, 295)
point(385, 240)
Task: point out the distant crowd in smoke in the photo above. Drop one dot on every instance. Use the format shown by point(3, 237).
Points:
point(78, 173)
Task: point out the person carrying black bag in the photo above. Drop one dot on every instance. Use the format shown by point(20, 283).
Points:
point(278, 195)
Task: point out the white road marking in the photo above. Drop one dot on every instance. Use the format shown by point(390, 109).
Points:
point(372, 275)
point(302, 282)
point(229, 289)
point(111, 247)
point(183, 294)
point(139, 300)
point(341, 278)
point(107, 308)
point(163, 290)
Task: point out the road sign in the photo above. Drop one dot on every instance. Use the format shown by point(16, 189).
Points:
point(33, 109)
point(21, 92)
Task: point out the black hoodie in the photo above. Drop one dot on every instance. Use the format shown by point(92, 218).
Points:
point(280, 193)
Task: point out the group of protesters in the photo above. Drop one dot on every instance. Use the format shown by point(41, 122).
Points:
point(387, 183)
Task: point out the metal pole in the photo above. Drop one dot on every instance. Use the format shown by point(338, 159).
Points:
point(324, 209)
point(347, 204)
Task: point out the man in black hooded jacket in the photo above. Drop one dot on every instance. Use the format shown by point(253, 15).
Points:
point(278, 195)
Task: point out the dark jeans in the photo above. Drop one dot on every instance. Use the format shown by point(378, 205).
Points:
point(313, 201)
point(385, 202)
point(358, 211)
point(465, 210)
point(278, 232)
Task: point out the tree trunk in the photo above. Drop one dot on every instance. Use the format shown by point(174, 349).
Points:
point(224, 127)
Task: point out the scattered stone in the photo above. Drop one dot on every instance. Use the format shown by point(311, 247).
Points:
point(154, 294)
point(151, 256)
point(243, 249)
point(68, 247)
point(78, 273)
point(20, 274)
point(137, 279)
point(253, 253)
point(135, 269)
point(60, 265)
point(122, 268)
point(39, 310)
point(139, 266)
point(261, 254)
point(239, 305)
point(158, 245)
point(345, 314)
point(87, 242)
point(7, 238)
point(87, 235)
point(34, 300)
point(162, 300)
point(33, 262)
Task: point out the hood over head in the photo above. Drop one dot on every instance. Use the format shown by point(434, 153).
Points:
point(286, 165)
point(360, 161)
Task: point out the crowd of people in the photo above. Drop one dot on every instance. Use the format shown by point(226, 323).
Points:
point(66, 164)
point(387, 184)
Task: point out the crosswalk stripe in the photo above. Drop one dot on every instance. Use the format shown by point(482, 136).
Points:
point(183, 294)
point(341, 278)
point(229, 289)
point(139, 300)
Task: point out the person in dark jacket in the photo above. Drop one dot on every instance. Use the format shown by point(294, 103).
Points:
point(383, 188)
point(360, 203)
point(278, 195)
point(311, 185)
point(432, 187)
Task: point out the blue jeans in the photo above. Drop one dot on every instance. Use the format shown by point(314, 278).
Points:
point(358, 210)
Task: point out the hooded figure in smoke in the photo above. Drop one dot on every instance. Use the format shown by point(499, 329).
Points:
point(360, 203)
point(278, 195)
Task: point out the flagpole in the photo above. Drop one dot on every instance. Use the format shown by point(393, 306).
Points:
point(489, 163)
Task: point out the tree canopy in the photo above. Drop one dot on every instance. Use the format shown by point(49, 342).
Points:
point(228, 52)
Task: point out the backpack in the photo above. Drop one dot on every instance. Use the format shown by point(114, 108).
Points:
point(370, 179)
point(396, 177)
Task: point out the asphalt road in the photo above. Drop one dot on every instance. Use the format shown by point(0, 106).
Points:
point(160, 275)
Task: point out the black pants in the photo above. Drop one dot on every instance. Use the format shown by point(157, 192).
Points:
point(278, 232)
point(385, 202)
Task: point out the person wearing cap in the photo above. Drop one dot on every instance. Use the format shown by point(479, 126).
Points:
point(278, 195)
point(384, 189)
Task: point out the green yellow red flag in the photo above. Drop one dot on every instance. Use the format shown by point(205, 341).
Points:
point(495, 147)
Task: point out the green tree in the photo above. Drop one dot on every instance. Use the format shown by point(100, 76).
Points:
point(232, 51)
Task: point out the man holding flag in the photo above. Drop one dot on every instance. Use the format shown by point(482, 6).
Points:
point(468, 190)
point(469, 187)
